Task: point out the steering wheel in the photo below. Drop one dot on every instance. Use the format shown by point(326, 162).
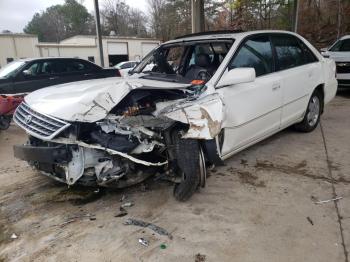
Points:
point(204, 75)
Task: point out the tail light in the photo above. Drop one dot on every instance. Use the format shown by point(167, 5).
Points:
point(118, 73)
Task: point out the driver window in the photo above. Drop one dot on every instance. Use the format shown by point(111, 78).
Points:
point(256, 53)
point(32, 70)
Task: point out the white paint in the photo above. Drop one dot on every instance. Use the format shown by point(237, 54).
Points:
point(115, 48)
point(90, 100)
point(246, 111)
point(339, 56)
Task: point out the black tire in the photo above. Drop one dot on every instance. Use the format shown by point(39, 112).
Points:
point(308, 125)
point(5, 122)
point(187, 155)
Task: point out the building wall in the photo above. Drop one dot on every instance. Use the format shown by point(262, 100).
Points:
point(16, 46)
point(84, 52)
point(134, 47)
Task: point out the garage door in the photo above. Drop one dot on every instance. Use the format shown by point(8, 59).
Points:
point(147, 47)
point(117, 48)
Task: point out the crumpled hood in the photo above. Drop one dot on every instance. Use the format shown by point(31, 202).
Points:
point(90, 100)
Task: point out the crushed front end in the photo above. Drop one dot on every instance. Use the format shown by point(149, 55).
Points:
point(139, 137)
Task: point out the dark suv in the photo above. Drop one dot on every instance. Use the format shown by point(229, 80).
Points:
point(27, 75)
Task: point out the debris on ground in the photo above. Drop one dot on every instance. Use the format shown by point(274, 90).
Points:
point(122, 212)
point(310, 220)
point(122, 198)
point(14, 236)
point(155, 228)
point(163, 246)
point(127, 204)
point(143, 187)
point(76, 218)
point(200, 258)
point(328, 200)
point(143, 242)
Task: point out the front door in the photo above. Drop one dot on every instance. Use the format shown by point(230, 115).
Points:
point(252, 110)
point(36, 75)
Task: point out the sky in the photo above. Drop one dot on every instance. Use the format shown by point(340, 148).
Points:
point(15, 14)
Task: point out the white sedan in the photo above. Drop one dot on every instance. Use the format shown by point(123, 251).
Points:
point(340, 53)
point(125, 67)
point(193, 101)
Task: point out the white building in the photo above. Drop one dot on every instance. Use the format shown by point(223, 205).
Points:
point(115, 49)
point(15, 46)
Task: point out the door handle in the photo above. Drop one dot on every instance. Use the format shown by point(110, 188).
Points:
point(276, 87)
point(53, 78)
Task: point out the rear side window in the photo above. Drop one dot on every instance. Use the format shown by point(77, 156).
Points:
point(345, 47)
point(341, 46)
point(256, 52)
point(291, 52)
point(126, 65)
point(75, 66)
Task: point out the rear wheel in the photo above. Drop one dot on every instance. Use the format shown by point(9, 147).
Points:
point(313, 113)
point(191, 164)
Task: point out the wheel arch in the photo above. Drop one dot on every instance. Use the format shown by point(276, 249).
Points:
point(320, 88)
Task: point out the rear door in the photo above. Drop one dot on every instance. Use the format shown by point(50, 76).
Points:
point(298, 68)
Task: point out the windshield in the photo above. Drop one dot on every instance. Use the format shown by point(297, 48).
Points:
point(184, 61)
point(11, 69)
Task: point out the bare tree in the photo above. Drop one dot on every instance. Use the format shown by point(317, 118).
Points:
point(117, 16)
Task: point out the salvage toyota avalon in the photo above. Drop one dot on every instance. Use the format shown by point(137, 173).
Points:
point(192, 102)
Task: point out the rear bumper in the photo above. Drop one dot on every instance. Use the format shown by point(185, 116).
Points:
point(47, 155)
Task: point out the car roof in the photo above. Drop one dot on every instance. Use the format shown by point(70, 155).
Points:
point(51, 58)
point(345, 37)
point(214, 35)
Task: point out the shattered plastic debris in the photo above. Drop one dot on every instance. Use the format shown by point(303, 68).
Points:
point(328, 200)
point(143, 242)
point(14, 236)
point(122, 198)
point(140, 223)
point(127, 204)
point(310, 220)
point(122, 212)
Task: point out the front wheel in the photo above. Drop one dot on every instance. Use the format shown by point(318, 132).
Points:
point(191, 164)
point(313, 113)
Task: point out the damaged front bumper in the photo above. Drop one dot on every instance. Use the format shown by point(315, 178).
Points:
point(49, 155)
point(70, 162)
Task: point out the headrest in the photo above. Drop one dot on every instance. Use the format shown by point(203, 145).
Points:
point(202, 60)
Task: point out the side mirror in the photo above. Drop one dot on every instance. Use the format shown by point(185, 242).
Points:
point(325, 49)
point(27, 73)
point(237, 76)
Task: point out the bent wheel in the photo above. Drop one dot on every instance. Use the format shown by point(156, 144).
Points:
point(191, 164)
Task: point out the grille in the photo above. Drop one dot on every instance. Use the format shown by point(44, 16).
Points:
point(38, 125)
point(343, 67)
